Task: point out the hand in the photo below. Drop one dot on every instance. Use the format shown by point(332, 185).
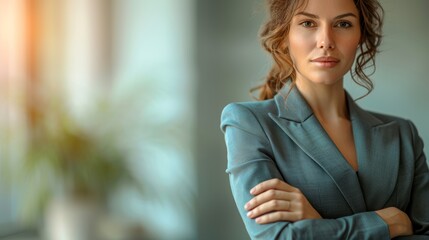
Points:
point(276, 201)
point(398, 221)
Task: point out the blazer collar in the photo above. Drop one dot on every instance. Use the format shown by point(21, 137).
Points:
point(378, 152)
point(292, 106)
point(376, 144)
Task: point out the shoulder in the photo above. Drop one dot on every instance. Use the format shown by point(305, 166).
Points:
point(403, 123)
point(387, 118)
point(406, 127)
point(247, 113)
point(257, 107)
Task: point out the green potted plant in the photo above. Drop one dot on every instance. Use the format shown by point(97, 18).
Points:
point(79, 162)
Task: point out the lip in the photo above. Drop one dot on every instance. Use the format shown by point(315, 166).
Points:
point(326, 61)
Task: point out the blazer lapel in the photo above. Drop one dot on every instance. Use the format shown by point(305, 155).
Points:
point(377, 147)
point(297, 120)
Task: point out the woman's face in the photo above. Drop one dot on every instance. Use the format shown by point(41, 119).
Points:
point(323, 40)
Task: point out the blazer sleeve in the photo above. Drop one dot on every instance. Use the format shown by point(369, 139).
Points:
point(250, 161)
point(418, 208)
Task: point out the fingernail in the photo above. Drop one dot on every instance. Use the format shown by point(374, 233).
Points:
point(252, 191)
point(246, 206)
point(258, 220)
point(249, 214)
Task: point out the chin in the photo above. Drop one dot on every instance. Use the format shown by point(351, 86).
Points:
point(327, 80)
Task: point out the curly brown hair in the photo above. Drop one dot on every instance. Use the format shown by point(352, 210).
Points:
point(277, 27)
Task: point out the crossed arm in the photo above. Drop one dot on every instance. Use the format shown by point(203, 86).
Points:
point(274, 201)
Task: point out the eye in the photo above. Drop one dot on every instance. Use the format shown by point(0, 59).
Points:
point(307, 24)
point(343, 24)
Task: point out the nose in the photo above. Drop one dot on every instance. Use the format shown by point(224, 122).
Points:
point(326, 39)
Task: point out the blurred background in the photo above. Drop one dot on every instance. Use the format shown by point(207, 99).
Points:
point(109, 111)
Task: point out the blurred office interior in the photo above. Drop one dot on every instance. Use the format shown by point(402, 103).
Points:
point(145, 81)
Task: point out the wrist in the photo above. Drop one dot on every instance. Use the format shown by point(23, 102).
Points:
point(398, 222)
point(396, 229)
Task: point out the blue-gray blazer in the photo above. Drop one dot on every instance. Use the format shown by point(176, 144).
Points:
point(283, 139)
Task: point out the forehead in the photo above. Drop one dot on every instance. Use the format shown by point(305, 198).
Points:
point(327, 8)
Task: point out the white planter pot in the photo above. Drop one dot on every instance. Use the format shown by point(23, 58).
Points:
point(72, 219)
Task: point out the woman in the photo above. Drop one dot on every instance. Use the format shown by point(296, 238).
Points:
point(306, 162)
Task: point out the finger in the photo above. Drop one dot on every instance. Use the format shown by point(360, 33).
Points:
point(277, 216)
point(271, 206)
point(274, 183)
point(268, 195)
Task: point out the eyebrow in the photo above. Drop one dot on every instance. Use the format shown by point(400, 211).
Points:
point(317, 17)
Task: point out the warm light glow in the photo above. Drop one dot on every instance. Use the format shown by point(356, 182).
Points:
point(12, 28)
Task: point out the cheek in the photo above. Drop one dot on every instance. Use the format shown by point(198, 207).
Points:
point(351, 43)
point(300, 46)
point(350, 49)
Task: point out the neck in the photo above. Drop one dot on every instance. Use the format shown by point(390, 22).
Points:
point(328, 102)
